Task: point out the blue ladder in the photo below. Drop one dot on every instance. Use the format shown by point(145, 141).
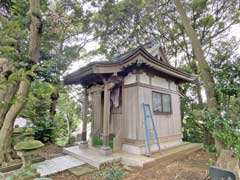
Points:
point(146, 108)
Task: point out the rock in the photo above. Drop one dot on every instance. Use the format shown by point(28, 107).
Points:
point(127, 168)
point(82, 170)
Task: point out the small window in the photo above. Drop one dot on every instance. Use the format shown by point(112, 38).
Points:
point(161, 103)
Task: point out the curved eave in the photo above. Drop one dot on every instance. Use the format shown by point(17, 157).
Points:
point(105, 67)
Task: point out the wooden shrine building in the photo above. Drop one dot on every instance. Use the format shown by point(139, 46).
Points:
point(118, 88)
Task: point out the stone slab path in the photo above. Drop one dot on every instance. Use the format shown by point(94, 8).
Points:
point(58, 164)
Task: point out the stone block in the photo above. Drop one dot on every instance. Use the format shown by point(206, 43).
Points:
point(106, 151)
point(83, 145)
point(82, 170)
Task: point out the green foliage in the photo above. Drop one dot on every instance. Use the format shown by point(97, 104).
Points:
point(123, 25)
point(12, 34)
point(224, 122)
point(99, 142)
point(226, 70)
point(195, 125)
point(211, 162)
point(44, 130)
point(210, 148)
point(207, 21)
point(114, 174)
point(193, 131)
point(61, 141)
point(37, 110)
point(199, 5)
point(67, 116)
point(228, 131)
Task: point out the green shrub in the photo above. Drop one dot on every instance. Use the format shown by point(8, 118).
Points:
point(114, 174)
point(99, 142)
point(43, 130)
point(211, 162)
point(111, 143)
point(228, 131)
point(61, 141)
point(210, 148)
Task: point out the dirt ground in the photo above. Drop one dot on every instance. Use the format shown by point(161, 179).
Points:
point(50, 151)
point(194, 167)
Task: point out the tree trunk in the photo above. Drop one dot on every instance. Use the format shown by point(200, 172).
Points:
point(228, 160)
point(7, 89)
point(54, 97)
point(55, 93)
point(199, 95)
point(24, 85)
point(197, 83)
point(203, 66)
point(68, 119)
point(7, 128)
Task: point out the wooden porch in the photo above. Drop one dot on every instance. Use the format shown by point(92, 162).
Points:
point(100, 95)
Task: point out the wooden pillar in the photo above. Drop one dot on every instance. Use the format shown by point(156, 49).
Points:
point(105, 149)
point(97, 112)
point(83, 143)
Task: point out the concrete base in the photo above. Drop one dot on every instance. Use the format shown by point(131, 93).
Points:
point(94, 158)
point(91, 156)
point(83, 145)
point(106, 151)
point(134, 149)
point(143, 161)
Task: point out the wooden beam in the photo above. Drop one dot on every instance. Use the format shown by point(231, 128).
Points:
point(106, 150)
point(85, 112)
point(108, 69)
point(97, 113)
point(95, 88)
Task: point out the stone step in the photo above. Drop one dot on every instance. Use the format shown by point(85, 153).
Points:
point(174, 154)
point(56, 165)
point(90, 156)
point(93, 157)
point(134, 160)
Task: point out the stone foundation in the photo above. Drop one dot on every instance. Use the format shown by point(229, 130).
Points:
point(141, 149)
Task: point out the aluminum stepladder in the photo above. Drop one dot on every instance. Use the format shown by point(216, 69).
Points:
point(148, 115)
